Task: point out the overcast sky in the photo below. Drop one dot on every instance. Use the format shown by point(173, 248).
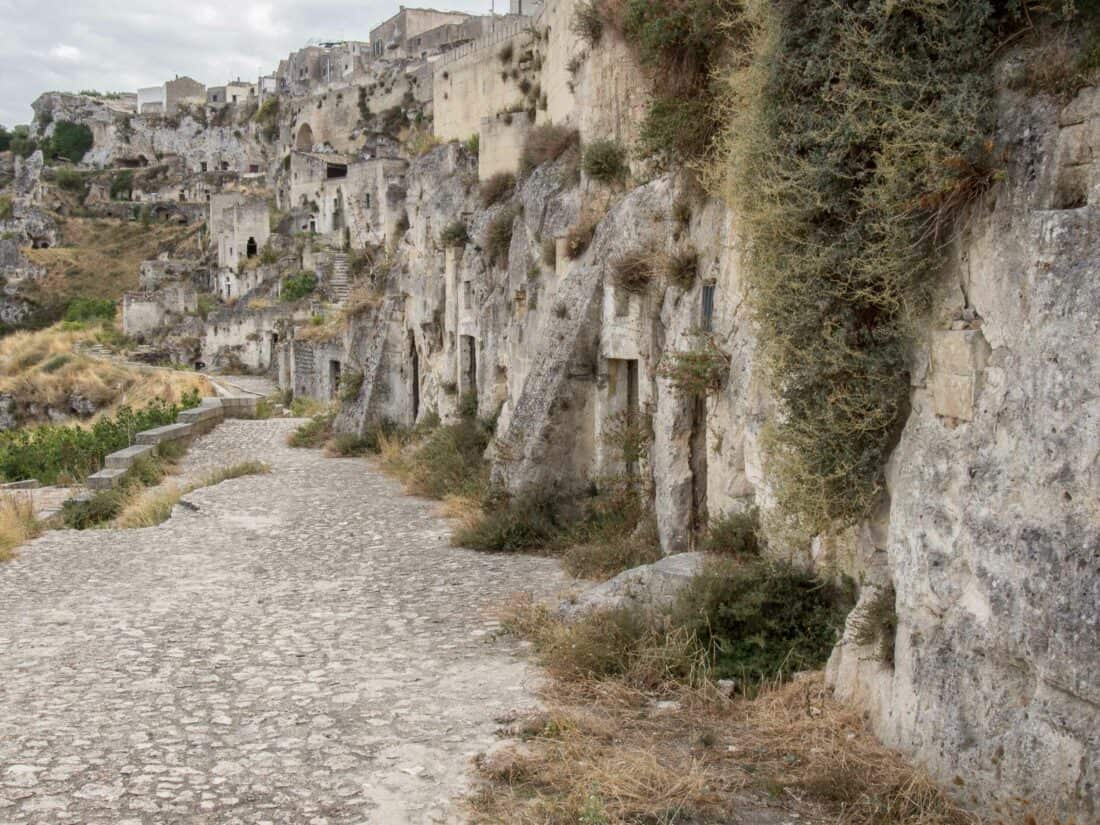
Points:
point(119, 45)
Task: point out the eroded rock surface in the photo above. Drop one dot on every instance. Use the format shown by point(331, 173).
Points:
point(298, 647)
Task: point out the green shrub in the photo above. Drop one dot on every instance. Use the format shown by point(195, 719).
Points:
point(451, 461)
point(122, 185)
point(52, 453)
point(678, 127)
point(91, 309)
point(848, 186)
point(7, 207)
point(605, 161)
point(545, 144)
point(733, 534)
point(587, 22)
point(351, 383)
point(456, 234)
point(267, 116)
point(497, 188)
point(296, 287)
point(314, 433)
point(521, 526)
point(498, 235)
point(761, 620)
point(69, 179)
point(70, 140)
point(700, 370)
point(5, 139)
point(99, 508)
point(467, 404)
point(56, 363)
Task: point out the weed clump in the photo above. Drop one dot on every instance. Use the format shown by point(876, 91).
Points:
point(762, 620)
point(876, 623)
point(605, 161)
point(545, 144)
point(734, 534)
point(456, 234)
point(700, 370)
point(314, 433)
point(681, 267)
point(497, 188)
point(634, 270)
point(351, 384)
point(498, 235)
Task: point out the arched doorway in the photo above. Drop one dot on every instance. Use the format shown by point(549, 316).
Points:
point(304, 142)
point(250, 248)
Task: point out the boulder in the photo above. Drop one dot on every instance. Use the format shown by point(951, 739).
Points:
point(651, 586)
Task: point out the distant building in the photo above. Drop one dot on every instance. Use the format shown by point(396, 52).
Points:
point(395, 37)
point(169, 96)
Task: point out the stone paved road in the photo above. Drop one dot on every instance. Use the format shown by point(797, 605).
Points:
point(304, 647)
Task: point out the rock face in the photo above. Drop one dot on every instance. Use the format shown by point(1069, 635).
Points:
point(993, 542)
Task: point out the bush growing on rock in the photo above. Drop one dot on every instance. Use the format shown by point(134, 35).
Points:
point(634, 270)
point(545, 144)
point(456, 234)
point(605, 161)
point(70, 140)
point(498, 235)
point(497, 188)
point(298, 286)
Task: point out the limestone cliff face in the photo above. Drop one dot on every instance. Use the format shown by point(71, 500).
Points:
point(990, 536)
point(993, 537)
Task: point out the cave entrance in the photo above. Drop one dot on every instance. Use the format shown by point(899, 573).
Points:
point(468, 364)
point(250, 248)
point(697, 458)
point(334, 368)
point(414, 358)
point(623, 403)
point(304, 142)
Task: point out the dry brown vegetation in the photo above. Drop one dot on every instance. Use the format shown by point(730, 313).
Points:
point(100, 257)
point(647, 748)
point(46, 368)
point(18, 523)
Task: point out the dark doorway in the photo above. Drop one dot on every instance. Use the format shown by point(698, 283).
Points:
point(250, 249)
point(414, 357)
point(698, 460)
point(334, 378)
point(468, 365)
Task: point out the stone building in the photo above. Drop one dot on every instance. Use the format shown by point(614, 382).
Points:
point(169, 96)
point(397, 37)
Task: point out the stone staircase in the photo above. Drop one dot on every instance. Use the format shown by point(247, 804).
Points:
point(338, 281)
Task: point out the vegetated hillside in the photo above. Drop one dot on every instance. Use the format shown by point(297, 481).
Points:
point(44, 376)
point(100, 257)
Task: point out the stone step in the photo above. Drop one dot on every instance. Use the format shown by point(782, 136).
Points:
point(123, 459)
point(106, 479)
point(170, 432)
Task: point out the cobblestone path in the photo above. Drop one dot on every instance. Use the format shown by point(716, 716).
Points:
point(302, 647)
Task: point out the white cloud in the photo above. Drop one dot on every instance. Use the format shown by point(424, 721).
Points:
point(66, 53)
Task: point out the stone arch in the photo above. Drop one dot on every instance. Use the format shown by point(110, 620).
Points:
point(304, 141)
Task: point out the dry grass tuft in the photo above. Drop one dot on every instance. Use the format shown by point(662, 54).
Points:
point(238, 470)
point(18, 524)
point(44, 368)
point(149, 507)
point(607, 752)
